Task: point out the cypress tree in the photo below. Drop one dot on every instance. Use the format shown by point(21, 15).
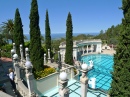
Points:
point(47, 34)
point(69, 41)
point(36, 54)
point(18, 32)
point(120, 86)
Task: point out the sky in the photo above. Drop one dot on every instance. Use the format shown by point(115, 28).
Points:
point(88, 16)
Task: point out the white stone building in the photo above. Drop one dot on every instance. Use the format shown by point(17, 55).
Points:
point(82, 47)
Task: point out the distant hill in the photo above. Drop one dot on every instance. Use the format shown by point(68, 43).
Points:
point(63, 35)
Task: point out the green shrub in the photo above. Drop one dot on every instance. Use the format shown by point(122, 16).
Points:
point(6, 54)
point(7, 47)
point(27, 43)
point(6, 50)
point(56, 57)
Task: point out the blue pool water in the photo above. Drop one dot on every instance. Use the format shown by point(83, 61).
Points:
point(103, 65)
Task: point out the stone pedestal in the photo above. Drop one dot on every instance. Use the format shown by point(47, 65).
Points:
point(63, 91)
point(27, 57)
point(91, 48)
point(84, 84)
point(14, 48)
point(21, 52)
point(44, 58)
point(30, 79)
point(49, 59)
point(17, 71)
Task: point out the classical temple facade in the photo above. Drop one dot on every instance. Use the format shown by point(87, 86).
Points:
point(82, 47)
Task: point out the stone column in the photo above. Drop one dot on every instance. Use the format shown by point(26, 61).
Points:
point(27, 57)
point(26, 51)
point(44, 58)
point(83, 50)
point(21, 52)
point(63, 91)
point(14, 48)
point(27, 54)
point(61, 57)
point(49, 59)
point(87, 49)
point(97, 48)
point(91, 48)
point(12, 53)
point(17, 72)
point(15, 60)
point(53, 53)
point(30, 79)
point(84, 82)
point(16, 69)
point(72, 73)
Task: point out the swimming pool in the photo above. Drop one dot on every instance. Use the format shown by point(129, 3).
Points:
point(103, 65)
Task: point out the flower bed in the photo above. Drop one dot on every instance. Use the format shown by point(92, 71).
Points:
point(47, 71)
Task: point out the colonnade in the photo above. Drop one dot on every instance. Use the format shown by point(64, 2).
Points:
point(83, 49)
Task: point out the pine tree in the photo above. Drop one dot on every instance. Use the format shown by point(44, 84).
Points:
point(36, 53)
point(120, 86)
point(47, 34)
point(18, 32)
point(69, 41)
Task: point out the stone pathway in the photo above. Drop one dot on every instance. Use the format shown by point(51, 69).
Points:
point(5, 64)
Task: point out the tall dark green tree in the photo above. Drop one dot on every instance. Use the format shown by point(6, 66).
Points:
point(18, 36)
point(120, 86)
point(36, 53)
point(47, 34)
point(69, 41)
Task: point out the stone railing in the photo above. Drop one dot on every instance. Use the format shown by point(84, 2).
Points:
point(23, 90)
point(41, 85)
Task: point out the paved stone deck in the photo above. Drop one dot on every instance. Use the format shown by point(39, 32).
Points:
point(5, 64)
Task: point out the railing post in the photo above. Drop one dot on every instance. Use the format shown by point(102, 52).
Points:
point(72, 73)
point(21, 53)
point(44, 58)
point(17, 69)
point(49, 59)
point(63, 91)
point(27, 54)
point(30, 78)
point(14, 48)
point(84, 81)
